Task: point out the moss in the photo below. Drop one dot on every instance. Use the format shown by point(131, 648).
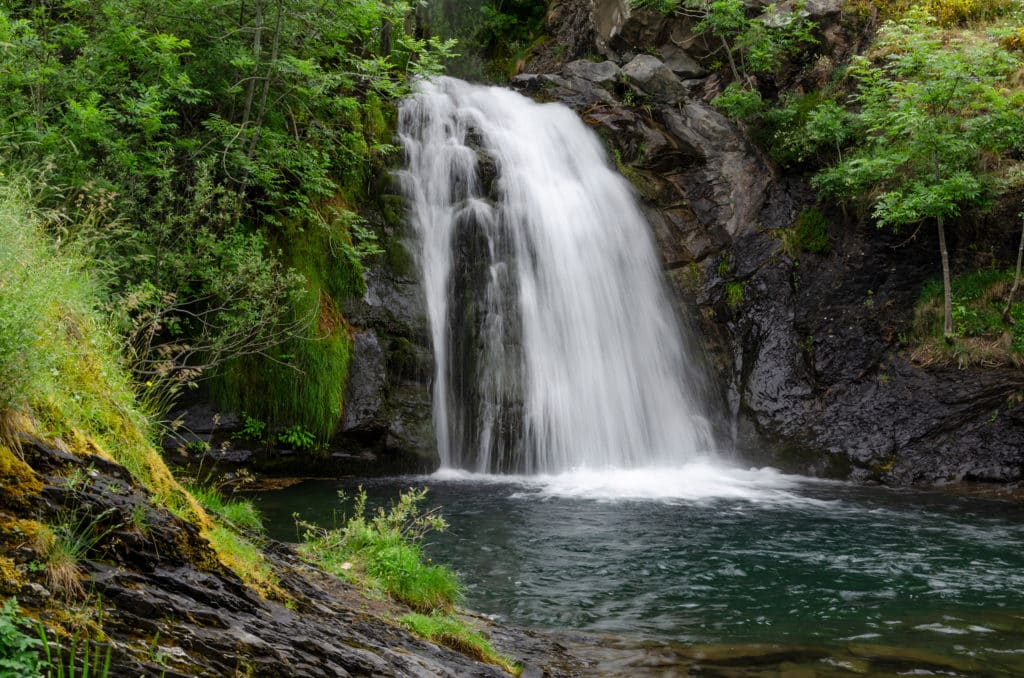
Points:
point(242, 557)
point(301, 382)
point(734, 293)
point(11, 578)
point(17, 480)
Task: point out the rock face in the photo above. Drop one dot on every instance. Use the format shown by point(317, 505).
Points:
point(169, 608)
point(818, 380)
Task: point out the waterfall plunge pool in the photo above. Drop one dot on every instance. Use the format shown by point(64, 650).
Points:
point(862, 578)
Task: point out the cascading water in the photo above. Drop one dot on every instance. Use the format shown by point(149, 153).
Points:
point(555, 344)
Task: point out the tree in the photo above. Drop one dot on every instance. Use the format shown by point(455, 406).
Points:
point(931, 107)
point(194, 147)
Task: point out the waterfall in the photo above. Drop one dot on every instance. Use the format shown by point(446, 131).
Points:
point(556, 347)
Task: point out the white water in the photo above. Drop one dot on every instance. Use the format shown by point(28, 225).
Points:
point(556, 347)
point(696, 482)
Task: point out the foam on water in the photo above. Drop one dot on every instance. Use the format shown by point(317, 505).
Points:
point(698, 481)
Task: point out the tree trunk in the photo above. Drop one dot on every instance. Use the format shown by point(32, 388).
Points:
point(257, 49)
point(947, 286)
point(385, 31)
point(1007, 318)
point(261, 111)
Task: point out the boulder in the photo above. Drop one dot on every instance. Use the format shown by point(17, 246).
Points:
point(650, 76)
point(681, 63)
point(604, 74)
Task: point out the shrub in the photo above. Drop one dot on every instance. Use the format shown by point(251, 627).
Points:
point(385, 550)
point(959, 12)
point(808, 234)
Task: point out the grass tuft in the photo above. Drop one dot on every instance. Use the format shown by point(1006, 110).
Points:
point(385, 552)
point(449, 631)
point(241, 514)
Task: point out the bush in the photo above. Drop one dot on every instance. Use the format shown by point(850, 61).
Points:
point(385, 551)
point(959, 12)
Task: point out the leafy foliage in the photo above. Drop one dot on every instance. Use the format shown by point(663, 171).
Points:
point(18, 650)
point(752, 45)
point(933, 109)
point(181, 142)
point(929, 108)
point(59, 356)
point(386, 549)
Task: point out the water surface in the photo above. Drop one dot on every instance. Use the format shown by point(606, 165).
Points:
point(703, 555)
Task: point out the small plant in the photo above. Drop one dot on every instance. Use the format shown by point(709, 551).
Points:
point(812, 231)
point(739, 103)
point(809, 233)
point(385, 551)
point(18, 650)
point(734, 292)
point(724, 266)
point(297, 437)
point(141, 519)
point(447, 630)
point(65, 544)
point(239, 513)
point(84, 663)
point(252, 429)
point(197, 447)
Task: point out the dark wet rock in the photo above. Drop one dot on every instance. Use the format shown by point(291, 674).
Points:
point(367, 384)
point(603, 73)
point(819, 362)
point(681, 63)
point(570, 25)
point(169, 608)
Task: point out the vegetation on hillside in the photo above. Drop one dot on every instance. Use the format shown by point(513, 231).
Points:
point(921, 127)
point(199, 153)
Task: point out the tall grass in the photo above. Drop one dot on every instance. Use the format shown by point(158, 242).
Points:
point(59, 357)
point(62, 377)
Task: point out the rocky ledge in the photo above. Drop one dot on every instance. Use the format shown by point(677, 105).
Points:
point(819, 376)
